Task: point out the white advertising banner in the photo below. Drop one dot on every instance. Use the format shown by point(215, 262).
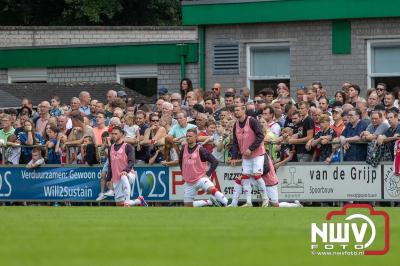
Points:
point(330, 182)
point(391, 184)
point(311, 182)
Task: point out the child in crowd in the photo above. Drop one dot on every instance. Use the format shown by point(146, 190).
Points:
point(53, 145)
point(37, 159)
point(89, 151)
point(287, 151)
point(130, 127)
point(335, 155)
point(56, 109)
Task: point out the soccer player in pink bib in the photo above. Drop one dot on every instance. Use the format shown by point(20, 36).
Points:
point(248, 140)
point(193, 160)
point(120, 170)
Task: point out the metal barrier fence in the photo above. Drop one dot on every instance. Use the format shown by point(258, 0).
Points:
point(315, 182)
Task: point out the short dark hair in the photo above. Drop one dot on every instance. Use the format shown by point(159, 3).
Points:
point(357, 111)
point(102, 113)
point(393, 111)
point(356, 87)
point(193, 130)
point(118, 128)
point(229, 94)
point(76, 115)
point(271, 109)
point(210, 99)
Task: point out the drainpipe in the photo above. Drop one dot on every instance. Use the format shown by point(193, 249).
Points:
point(183, 51)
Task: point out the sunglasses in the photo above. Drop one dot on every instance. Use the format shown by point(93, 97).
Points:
point(258, 101)
point(214, 89)
point(155, 120)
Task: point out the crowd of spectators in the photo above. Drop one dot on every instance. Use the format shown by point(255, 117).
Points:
point(299, 125)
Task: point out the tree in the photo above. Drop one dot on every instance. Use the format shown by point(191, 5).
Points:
point(89, 12)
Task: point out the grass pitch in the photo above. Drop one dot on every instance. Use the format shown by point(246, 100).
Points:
point(170, 236)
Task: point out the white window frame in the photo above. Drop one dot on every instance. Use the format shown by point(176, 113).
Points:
point(271, 45)
point(136, 71)
point(27, 75)
point(371, 44)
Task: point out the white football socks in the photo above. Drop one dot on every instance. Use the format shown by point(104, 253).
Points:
point(263, 188)
point(237, 190)
point(202, 203)
point(288, 205)
point(221, 198)
point(247, 190)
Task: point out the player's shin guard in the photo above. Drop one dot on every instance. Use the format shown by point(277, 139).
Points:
point(219, 196)
point(237, 190)
point(247, 190)
point(202, 203)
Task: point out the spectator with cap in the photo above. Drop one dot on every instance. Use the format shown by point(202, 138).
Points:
point(338, 124)
point(163, 94)
point(122, 95)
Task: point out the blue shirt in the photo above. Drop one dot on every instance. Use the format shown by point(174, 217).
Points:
point(23, 138)
point(356, 152)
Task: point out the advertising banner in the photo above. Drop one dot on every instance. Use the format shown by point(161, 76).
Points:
point(330, 182)
point(75, 183)
point(158, 183)
point(391, 184)
point(311, 182)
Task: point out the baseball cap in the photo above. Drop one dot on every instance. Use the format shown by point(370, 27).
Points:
point(121, 94)
point(162, 91)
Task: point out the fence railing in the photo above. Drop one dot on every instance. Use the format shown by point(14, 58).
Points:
point(68, 148)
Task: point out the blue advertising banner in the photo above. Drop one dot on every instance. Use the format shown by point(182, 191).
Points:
point(71, 183)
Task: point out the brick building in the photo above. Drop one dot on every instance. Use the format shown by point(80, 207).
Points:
point(259, 43)
point(141, 58)
point(237, 43)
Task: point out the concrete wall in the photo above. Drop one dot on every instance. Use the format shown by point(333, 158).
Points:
point(43, 36)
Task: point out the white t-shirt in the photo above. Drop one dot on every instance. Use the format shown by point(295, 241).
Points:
point(131, 131)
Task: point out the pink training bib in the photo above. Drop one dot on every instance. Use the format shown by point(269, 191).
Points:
point(119, 161)
point(192, 167)
point(246, 137)
point(271, 178)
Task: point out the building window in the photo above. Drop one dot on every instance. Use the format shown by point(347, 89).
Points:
point(141, 78)
point(383, 63)
point(267, 65)
point(32, 75)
